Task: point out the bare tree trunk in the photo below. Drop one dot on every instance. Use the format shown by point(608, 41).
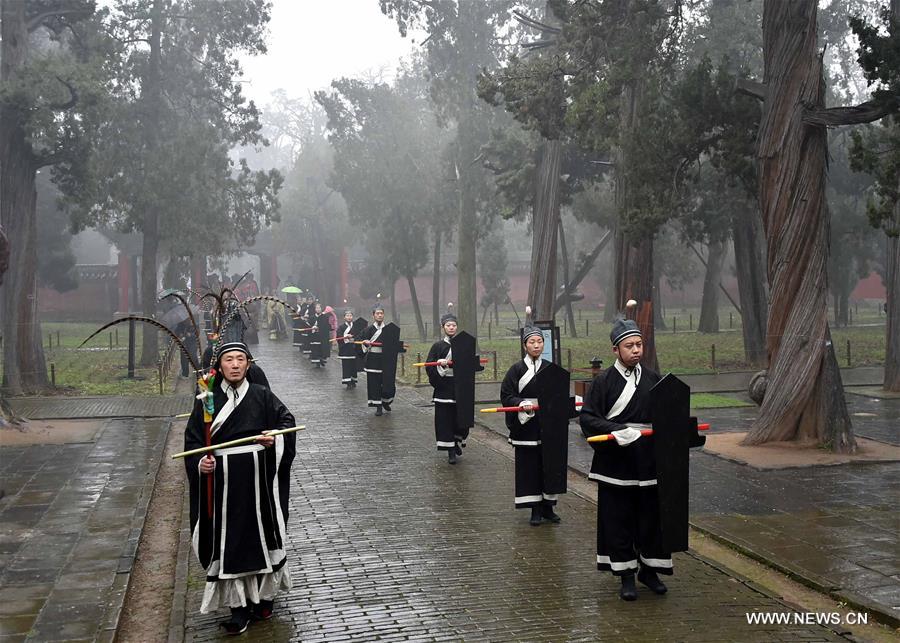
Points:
point(394, 316)
point(892, 308)
point(573, 331)
point(748, 262)
point(634, 256)
point(4, 253)
point(436, 287)
point(709, 308)
point(545, 226)
point(634, 280)
point(24, 368)
point(609, 310)
point(583, 270)
point(420, 324)
point(150, 245)
point(842, 306)
point(804, 397)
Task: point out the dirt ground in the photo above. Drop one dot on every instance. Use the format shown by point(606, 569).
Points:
point(148, 603)
point(49, 432)
point(782, 455)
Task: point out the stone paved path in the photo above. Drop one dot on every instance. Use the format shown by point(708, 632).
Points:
point(70, 522)
point(41, 408)
point(388, 542)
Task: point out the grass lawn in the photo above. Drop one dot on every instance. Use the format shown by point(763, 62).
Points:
point(95, 369)
point(680, 353)
point(715, 401)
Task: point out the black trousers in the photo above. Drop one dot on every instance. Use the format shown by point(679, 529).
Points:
point(628, 530)
point(447, 432)
point(348, 369)
point(530, 478)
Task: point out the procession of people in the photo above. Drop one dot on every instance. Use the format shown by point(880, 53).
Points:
point(243, 550)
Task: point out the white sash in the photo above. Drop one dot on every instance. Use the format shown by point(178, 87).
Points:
point(230, 404)
point(531, 370)
point(374, 338)
point(631, 382)
point(347, 332)
point(448, 371)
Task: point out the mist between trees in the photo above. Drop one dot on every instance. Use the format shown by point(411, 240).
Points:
point(562, 155)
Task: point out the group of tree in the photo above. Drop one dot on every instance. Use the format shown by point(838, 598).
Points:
point(711, 118)
point(135, 108)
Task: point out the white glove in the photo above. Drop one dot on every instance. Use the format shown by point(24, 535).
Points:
point(442, 363)
point(526, 406)
point(626, 436)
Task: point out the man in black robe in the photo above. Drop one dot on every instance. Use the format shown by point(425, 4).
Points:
point(318, 336)
point(347, 350)
point(239, 495)
point(450, 437)
point(380, 392)
point(520, 388)
point(629, 536)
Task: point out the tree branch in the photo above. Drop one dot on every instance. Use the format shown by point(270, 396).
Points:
point(39, 19)
point(864, 113)
point(69, 104)
point(751, 88)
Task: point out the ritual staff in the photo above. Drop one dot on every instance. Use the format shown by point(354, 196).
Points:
point(347, 350)
point(629, 536)
point(241, 549)
point(450, 437)
point(380, 391)
point(520, 388)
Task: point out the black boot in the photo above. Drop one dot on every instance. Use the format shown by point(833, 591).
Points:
point(262, 611)
point(536, 517)
point(628, 591)
point(451, 456)
point(378, 410)
point(239, 621)
point(649, 578)
point(458, 449)
point(387, 407)
point(548, 513)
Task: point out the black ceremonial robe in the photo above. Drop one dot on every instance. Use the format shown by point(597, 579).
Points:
point(347, 353)
point(377, 390)
point(319, 344)
point(525, 431)
point(628, 527)
point(447, 432)
point(242, 545)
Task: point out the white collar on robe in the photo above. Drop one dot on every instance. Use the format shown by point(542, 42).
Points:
point(625, 373)
point(230, 402)
point(631, 381)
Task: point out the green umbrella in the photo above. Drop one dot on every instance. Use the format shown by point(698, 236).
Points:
point(291, 290)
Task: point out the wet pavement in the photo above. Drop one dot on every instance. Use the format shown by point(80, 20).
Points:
point(389, 542)
point(70, 522)
point(834, 528)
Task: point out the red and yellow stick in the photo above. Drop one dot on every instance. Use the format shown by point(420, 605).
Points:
point(483, 360)
point(516, 409)
point(607, 436)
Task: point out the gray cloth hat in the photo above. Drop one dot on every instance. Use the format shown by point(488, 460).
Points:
point(528, 331)
point(448, 318)
point(623, 328)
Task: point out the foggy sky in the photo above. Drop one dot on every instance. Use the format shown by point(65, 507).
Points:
point(312, 42)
